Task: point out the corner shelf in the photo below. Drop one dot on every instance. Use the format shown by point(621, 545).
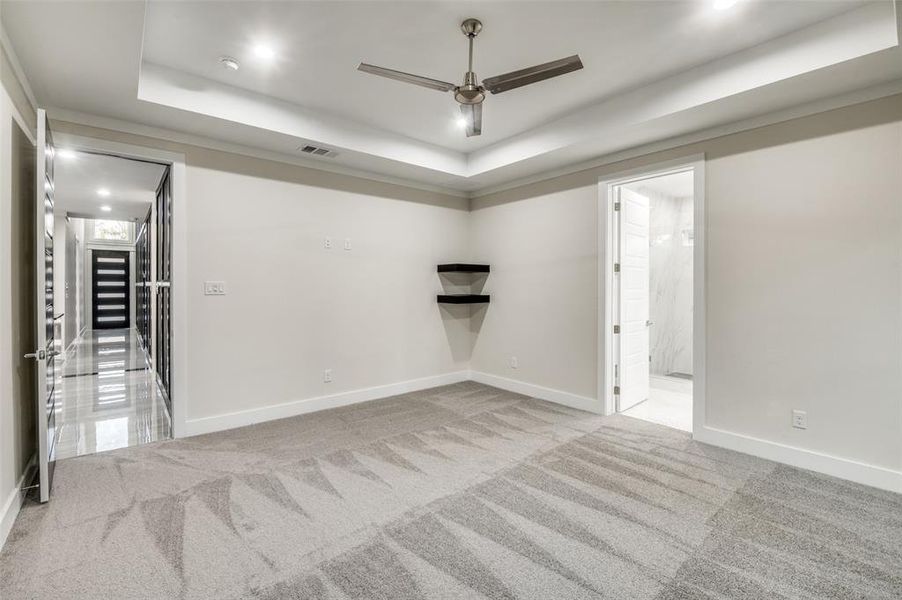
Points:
point(463, 298)
point(463, 268)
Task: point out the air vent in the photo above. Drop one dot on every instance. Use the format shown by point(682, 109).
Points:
point(317, 151)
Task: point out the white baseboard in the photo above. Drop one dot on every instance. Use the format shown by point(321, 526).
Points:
point(878, 477)
point(871, 475)
point(308, 405)
point(12, 504)
point(537, 391)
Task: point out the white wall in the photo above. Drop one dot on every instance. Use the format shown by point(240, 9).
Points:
point(294, 308)
point(804, 226)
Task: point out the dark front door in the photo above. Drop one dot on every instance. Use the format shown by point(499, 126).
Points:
point(110, 289)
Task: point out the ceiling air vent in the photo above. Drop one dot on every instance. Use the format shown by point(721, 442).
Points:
point(317, 151)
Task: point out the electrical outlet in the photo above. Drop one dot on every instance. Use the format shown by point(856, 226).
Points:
point(327, 376)
point(347, 243)
point(327, 243)
point(515, 364)
point(214, 288)
point(800, 419)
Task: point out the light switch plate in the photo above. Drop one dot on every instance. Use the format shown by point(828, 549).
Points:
point(214, 288)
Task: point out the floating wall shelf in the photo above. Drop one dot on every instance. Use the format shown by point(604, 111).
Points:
point(463, 298)
point(463, 268)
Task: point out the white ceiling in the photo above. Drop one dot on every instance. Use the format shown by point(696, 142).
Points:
point(319, 45)
point(653, 70)
point(132, 185)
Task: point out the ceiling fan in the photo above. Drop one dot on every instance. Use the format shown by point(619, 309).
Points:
point(471, 94)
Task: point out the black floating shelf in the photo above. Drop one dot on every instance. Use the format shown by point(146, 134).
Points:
point(463, 268)
point(463, 298)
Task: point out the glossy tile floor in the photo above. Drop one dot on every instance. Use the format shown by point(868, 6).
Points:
point(669, 403)
point(107, 397)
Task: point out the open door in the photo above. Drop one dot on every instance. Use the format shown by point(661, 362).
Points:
point(633, 295)
point(45, 352)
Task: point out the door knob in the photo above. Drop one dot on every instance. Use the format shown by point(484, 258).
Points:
point(649, 323)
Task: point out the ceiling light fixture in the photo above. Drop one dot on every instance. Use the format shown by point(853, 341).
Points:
point(103, 192)
point(264, 52)
point(724, 4)
point(460, 122)
point(105, 208)
point(229, 63)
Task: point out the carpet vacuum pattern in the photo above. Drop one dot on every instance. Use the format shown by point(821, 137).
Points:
point(463, 491)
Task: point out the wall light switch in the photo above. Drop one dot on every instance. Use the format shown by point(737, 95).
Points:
point(515, 364)
point(347, 243)
point(214, 288)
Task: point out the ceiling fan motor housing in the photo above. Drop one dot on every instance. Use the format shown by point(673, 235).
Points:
point(470, 92)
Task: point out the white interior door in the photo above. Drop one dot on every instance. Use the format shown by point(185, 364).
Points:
point(633, 305)
point(45, 352)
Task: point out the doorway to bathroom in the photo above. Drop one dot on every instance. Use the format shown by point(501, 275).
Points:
point(649, 312)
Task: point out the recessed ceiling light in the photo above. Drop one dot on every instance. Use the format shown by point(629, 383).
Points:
point(66, 153)
point(103, 192)
point(264, 52)
point(723, 4)
point(105, 208)
point(229, 63)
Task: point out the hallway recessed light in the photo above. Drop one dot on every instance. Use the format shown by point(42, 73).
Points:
point(264, 52)
point(105, 208)
point(229, 63)
point(724, 4)
point(103, 192)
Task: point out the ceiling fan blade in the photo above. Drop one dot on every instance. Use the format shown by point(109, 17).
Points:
point(473, 114)
point(515, 79)
point(433, 84)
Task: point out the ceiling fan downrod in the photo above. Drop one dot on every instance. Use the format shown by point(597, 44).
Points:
point(470, 92)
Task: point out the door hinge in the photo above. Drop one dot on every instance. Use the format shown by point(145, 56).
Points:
point(616, 267)
point(616, 206)
point(616, 328)
point(616, 390)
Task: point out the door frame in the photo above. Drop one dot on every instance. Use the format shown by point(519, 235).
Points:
point(179, 290)
point(606, 252)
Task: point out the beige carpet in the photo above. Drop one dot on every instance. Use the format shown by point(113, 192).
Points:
point(463, 491)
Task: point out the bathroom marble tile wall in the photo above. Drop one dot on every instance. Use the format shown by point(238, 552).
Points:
point(670, 286)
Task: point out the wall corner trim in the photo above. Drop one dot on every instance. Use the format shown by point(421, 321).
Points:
point(843, 468)
point(11, 505)
point(536, 391)
point(309, 405)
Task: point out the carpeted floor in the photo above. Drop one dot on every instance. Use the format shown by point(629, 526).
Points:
point(463, 491)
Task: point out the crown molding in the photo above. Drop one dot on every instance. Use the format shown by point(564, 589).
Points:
point(17, 67)
point(168, 135)
point(803, 110)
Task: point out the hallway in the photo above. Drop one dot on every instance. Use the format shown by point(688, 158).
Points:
point(107, 396)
